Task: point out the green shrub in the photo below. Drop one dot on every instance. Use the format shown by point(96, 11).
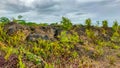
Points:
point(31, 24)
point(49, 65)
point(98, 52)
point(20, 16)
point(90, 33)
point(105, 23)
point(3, 34)
point(43, 24)
point(21, 22)
point(115, 37)
point(4, 20)
point(66, 23)
point(88, 22)
point(115, 26)
point(54, 24)
point(21, 64)
point(66, 37)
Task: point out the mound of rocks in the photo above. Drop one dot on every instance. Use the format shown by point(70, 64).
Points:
point(33, 33)
point(43, 32)
point(12, 27)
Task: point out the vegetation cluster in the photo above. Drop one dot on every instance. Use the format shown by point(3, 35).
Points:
point(58, 45)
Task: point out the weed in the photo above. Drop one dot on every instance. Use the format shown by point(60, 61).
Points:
point(90, 33)
point(111, 59)
point(98, 52)
point(21, 64)
point(67, 37)
point(49, 66)
point(115, 37)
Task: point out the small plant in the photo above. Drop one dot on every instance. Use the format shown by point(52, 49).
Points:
point(8, 53)
point(49, 65)
point(105, 23)
point(75, 54)
point(15, 39)
point(90, 33)
point(98, 52)
point(63, 37)
point(115, 26)
point(21, 64)
point(115, 37)
point(111, 59)
point(67, 37)
point(88, 22)
point(85, 62)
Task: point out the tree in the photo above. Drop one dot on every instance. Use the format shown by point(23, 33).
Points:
point(105, 23)
point(88, 22)
point(20, 16)
point(66, 23)
point(4, 20)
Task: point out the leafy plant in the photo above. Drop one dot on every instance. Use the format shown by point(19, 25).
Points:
point(105, 23)
point(90, 33)
point(43, 24)
point(111, 59)
point(98, 52)
point(21, 64)
point(4, 20)
point(49, 66)
point(16, 38)
point(88, 22)
point(3, 34)
point(66, 23)
point(66, 37)
point(115, 37)
point(115, 26)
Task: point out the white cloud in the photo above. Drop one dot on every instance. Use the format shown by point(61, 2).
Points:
point(28, 2)
point(87, 1)
point(52, 10)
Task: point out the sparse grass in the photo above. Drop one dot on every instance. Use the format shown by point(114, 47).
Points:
point(111, 59)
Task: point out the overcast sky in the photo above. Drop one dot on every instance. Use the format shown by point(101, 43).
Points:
point(52, 10)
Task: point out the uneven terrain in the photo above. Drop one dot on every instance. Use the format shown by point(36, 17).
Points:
point(53, 46)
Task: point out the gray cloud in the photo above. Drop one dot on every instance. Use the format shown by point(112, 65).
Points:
point(53, 10)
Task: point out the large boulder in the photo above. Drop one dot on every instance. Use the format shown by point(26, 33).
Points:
point(12, 27)
point(35, 37)
point(33, 33)
point(43, 32)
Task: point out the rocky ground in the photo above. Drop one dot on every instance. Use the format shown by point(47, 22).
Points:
point(80, 47)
